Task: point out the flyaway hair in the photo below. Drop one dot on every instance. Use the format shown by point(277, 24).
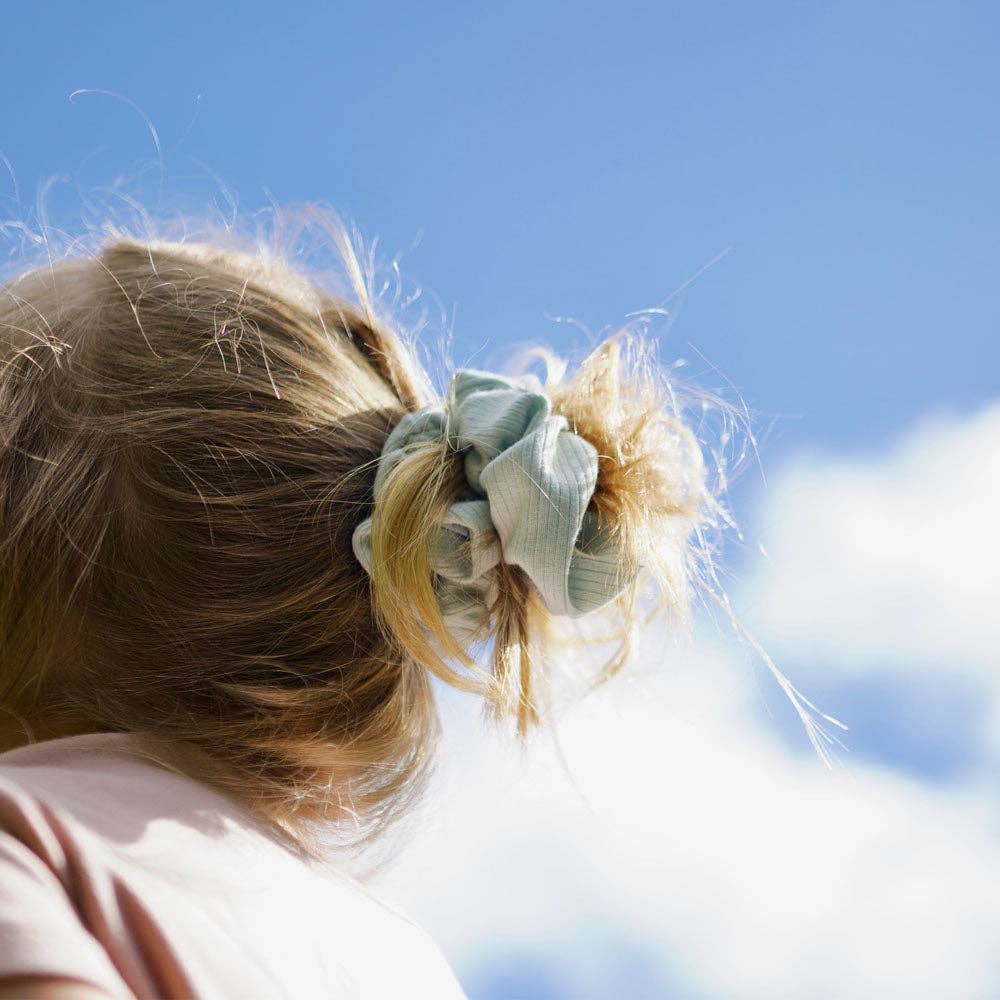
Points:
point(190, 436)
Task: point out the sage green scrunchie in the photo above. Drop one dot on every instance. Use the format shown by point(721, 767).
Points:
point(530, 480)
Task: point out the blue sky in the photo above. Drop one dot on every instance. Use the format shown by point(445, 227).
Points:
point(825, 172)
point(573, 160)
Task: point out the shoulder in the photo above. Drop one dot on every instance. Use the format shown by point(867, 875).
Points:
point(55, 797)
point(47, 951)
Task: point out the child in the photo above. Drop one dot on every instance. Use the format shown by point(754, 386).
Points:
point(238, 534)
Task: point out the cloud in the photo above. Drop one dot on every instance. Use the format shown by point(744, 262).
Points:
point(747, 872)
point(693, 855)
point(887, 566)
point(891, 557)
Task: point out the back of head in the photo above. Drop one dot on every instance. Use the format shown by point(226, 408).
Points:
point(190, 441)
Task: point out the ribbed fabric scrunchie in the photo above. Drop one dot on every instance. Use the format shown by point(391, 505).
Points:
point(530, 480)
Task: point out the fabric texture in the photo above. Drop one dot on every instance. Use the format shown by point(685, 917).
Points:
point(121, 873)
point(530, 481)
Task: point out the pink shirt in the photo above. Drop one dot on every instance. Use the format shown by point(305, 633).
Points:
point(116, 871)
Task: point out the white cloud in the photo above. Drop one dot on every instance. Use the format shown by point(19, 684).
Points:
point(894, 556)
point(747, 871)
point(751, 873)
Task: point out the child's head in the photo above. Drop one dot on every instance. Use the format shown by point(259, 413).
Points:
point(190, 439)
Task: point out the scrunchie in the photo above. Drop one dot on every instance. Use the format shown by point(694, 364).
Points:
point(529, 480)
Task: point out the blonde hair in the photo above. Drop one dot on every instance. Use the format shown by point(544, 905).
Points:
point(189, 437)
